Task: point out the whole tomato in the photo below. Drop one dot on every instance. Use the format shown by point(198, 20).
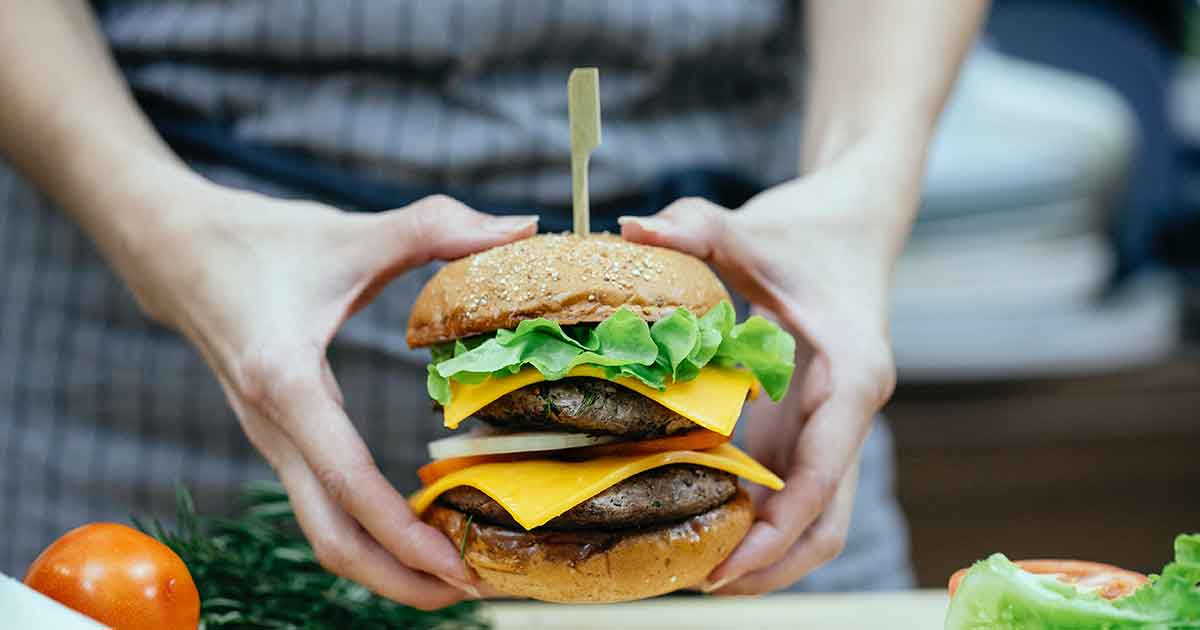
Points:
point(119, 577)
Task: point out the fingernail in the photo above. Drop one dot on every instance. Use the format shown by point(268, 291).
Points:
point(649, 224)
point(508, 225)
point(469, 589)
point(709, 587)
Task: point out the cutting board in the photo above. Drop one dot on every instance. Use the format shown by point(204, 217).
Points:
point(911, 610)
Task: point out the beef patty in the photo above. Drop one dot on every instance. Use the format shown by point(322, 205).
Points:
point(659, 495)
point(583, 405)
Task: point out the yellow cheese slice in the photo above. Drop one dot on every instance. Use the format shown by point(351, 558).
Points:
point(535, 491)
point(712, 400)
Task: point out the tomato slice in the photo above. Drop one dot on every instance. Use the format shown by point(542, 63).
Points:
point(694, 440)
point(1105, 580)
point(437, 469)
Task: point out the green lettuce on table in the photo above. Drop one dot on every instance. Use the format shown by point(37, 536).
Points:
point(997, 595)
point(673, 349)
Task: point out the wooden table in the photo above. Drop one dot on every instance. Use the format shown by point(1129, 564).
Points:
point(1023, 467)
point(913, 610)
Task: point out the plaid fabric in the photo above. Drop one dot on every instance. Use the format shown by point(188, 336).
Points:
point(463, 94)
point(102, 412)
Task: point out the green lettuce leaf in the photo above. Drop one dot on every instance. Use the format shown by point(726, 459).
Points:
point(674, 349)
point(765, 349)
point(675, 335)
point(997, 595)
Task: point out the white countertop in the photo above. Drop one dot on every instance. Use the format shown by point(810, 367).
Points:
point(912, 610)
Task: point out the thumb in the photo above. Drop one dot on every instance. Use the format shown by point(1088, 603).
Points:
point(435, 228)
point(692, 225)
point(387, 244)
point(711, 233)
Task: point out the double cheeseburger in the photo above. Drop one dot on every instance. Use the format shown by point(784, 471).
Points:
point(604, 380)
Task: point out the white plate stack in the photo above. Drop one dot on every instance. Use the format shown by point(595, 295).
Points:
point(1007, 271)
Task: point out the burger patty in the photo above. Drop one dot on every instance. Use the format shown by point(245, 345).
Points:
point(583, 405)
point(659, 495)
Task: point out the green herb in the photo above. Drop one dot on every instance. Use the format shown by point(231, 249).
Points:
point(589, 397)
point(257, 571)
point(674, 349)
point(462, 548)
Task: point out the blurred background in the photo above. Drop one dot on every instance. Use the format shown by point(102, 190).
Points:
point(1047, 311)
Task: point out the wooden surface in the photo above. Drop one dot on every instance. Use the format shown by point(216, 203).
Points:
point(916, 610)
point(1102, 468)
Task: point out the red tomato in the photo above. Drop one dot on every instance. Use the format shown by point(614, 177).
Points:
point(119, 577)
point(1105, 580)
point(435, 470)
point(694, 440)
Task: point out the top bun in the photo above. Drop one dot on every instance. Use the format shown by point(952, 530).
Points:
point(562, 277)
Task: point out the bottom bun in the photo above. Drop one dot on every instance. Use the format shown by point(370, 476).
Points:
point(597, 566)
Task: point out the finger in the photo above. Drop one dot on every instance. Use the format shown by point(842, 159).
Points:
point(818, 545)
point(339, 543)
point(294, 397)
point(827, 446)
point(436, 227)
point(707, 231)
point(487, 592)
point(691, 225)
point(332, 387)
point(384, 245)
point(342, 547)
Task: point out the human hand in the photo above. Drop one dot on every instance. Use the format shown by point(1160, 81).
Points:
point(260, 286)
point(816, 255)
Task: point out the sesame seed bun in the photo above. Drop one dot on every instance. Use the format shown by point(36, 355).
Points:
point(598, 567)
point(563, 277)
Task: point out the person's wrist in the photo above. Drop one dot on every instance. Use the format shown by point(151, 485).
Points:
point(117, 194)
point(880, 169)
point(144, 208)
point(833, 130)
point(159, 201)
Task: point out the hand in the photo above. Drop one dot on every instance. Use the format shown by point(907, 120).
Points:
point(816, 255)
point(260, 286)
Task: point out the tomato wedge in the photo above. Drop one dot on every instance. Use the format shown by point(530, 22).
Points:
point(435, 470)
point(695, 440)
point(1105, 580)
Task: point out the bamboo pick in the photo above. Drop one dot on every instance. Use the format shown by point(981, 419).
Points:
point(583, 108)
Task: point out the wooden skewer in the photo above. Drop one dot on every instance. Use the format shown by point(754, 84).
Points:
point(583, 107)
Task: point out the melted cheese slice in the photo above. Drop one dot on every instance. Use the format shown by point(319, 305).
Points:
point(712, 400)
point(535, 491)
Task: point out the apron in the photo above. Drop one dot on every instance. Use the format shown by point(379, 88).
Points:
point(369, 105)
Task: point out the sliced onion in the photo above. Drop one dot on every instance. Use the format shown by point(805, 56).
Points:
point(493, 444)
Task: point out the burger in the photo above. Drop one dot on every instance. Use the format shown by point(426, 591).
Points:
point(601, 381)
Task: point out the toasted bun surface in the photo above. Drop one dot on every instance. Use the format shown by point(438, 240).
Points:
point(563, 277)
point(598, 567)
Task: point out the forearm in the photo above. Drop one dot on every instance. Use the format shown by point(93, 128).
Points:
point(878, 76)
point(881, 69)
point(69, 123)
